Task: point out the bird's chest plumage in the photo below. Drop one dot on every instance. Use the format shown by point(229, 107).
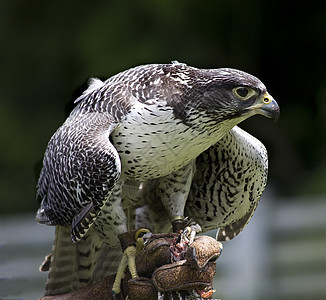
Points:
point(152, 142)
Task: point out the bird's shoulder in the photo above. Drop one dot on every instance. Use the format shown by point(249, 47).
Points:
point(145, 84)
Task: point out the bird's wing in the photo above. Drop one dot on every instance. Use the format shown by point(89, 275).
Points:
point(229, 181)
point(80, 168)
point(76, 265)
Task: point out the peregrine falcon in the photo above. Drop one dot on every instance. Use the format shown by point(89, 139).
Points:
point(162, 137)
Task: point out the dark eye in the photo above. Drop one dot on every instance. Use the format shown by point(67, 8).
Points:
point(243, 93)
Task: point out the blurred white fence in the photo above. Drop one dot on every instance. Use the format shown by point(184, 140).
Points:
point(281, 254)
point(23, 245)
point(298, 244)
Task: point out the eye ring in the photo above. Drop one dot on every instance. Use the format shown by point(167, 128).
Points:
point(267, 100)
point(243, 93)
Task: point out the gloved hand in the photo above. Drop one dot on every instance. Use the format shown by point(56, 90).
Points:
point(166, 266)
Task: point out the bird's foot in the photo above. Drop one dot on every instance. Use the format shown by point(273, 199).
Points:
point(192, 230)
point(184, 240)
point(185, 224)
point(128, 260)
point(128, 243)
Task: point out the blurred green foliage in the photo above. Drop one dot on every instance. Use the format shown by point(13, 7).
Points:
point(50, 48)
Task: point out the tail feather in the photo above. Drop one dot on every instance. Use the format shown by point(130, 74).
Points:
point(63, 266)
point(76, 265)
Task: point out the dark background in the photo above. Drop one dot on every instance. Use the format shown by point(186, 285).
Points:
point(50, 48)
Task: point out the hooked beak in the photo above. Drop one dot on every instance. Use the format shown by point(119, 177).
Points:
point(267, 107)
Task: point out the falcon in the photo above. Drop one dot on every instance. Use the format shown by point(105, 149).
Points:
point(157, 142)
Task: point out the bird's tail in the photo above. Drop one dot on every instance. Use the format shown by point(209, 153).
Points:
point(76, 265)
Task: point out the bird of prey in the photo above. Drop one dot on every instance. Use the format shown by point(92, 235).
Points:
point(161, 141)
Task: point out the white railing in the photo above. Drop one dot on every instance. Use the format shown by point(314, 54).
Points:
point(281, 254)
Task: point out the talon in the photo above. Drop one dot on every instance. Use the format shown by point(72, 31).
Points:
point(189, 233)
point(113, 295)
point(140, 232)
point(131, 255)
point(194, 230)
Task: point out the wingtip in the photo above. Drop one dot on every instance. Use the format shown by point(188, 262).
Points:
point(42, 218)
point(83, 221)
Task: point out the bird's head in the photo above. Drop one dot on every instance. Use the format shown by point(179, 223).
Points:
point(230, 94)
